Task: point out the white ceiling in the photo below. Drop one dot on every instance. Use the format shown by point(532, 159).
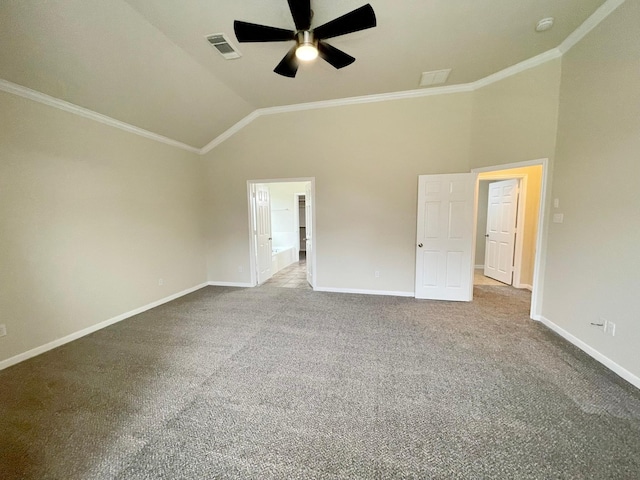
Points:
point(147, 62)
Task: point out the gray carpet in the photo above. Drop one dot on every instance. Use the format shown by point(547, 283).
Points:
point(281, 383)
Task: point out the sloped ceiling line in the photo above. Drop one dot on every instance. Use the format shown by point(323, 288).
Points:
point(598, 16)
point(36, 96)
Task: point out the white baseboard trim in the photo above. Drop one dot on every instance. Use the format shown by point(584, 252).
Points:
point(365, 292)
point(229, 284)
point(479, 267)
point(93, 328)
point(524, 285)
point(606, 361)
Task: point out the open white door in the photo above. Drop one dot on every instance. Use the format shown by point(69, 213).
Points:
point(263, 232)
point(444, 247)
point(308, 221)
point(501, 230)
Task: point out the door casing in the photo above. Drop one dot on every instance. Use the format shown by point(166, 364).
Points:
point(541, 237)
point(251, 217)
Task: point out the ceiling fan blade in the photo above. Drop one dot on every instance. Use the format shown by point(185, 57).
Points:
point(359, 19)
point(251, 32)
point(334, 56)
point(288, 66)
point(301, 13)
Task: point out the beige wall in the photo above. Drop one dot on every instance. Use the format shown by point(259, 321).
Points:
point(515, 119)
point(91, 217)
point(365, 159)
point(593, 264)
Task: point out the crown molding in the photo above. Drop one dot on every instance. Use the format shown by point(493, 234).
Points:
point(598, 16)
point(517, 68)
point(381, 97)
point(385, 97)
point(589, 24)
point(229, 132)
point(39, 97)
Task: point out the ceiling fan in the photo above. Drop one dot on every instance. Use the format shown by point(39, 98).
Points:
point(309, 42)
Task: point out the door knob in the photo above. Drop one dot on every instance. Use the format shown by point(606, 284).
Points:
point(487, 235)
point(420, 245)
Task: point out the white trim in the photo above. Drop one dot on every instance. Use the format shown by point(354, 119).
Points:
point(230, 132)
point(517, 68)
point(525, 286)
point(93, 328)
point(589, 24)
point(36, 96)
point(229, 284)
point(365, 292)
point(509, 166)
point(478, 267)
point(606, 361)
point(381, 97)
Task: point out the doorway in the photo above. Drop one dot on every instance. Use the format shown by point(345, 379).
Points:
point(532, 178)
point(279, 228)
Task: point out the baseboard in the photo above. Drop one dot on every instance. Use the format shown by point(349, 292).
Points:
point(606, 361)
point(525, 286)
point(93, 328)
point(479, 267)
point(229, 284)
point(365, 292)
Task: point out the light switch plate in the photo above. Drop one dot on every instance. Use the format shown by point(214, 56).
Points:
point(558, 217)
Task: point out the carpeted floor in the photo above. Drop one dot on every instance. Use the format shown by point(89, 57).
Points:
point(276, 383)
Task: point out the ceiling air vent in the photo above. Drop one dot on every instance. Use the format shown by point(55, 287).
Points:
point(436, 77)
point(220, 42)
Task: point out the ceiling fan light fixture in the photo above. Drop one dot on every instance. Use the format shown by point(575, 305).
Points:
point(307, 49)
point(307, 52)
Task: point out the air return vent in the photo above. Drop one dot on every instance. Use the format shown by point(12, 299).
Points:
point(436, 77)
point(220, 42)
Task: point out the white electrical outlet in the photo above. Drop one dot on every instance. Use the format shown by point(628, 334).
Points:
point(3, 330)
point(377, 274)
point(160, 282)
point(240, 269)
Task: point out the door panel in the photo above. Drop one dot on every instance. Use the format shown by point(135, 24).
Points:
point(445, 237)
point(263, 232)
point(501, 230)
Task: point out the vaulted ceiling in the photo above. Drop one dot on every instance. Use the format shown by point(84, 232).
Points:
point(147, 62)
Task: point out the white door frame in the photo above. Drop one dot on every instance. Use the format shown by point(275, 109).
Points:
point(251, 217)
point(541, 238)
